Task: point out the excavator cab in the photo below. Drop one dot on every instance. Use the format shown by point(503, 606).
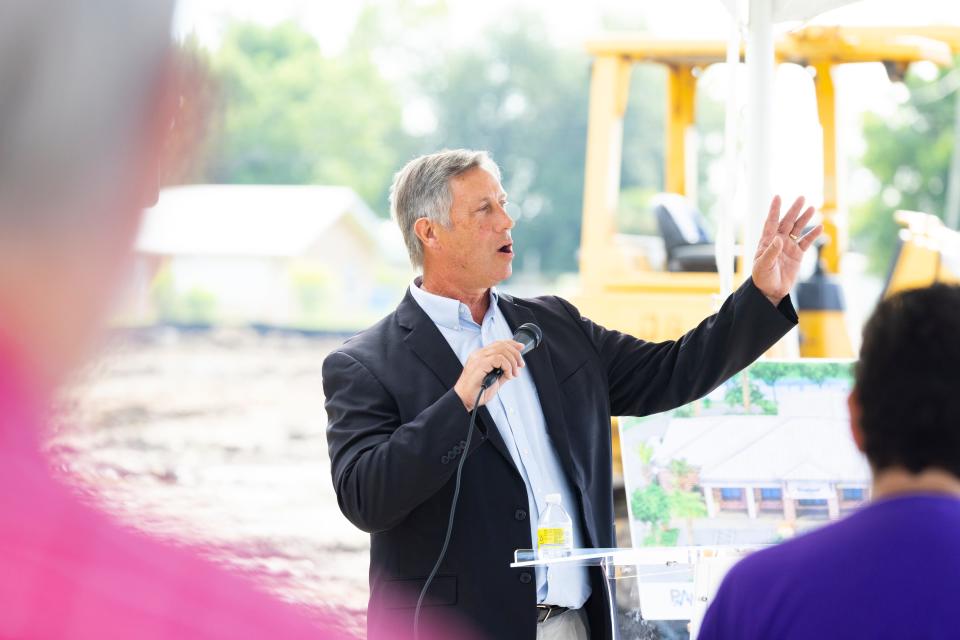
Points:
point(684, 231)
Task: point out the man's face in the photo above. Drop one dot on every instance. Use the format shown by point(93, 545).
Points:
point(476, 250)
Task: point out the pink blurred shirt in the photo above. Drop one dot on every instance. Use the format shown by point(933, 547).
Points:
point(69, 571)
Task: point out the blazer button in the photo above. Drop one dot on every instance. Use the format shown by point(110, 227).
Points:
point(525, 577)
point(520, 514)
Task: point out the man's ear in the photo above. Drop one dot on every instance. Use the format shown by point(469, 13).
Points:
point(856, 413)
point(426, 231)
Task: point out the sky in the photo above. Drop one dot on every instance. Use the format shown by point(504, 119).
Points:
point(859, 87)
point(569, 20)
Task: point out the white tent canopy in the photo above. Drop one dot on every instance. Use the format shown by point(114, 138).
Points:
point(789, 10)
point(756, 20)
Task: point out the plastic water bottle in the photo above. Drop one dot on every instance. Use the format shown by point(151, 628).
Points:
point(555, 530)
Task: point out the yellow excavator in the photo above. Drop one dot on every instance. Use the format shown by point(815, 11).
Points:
point(621, 286)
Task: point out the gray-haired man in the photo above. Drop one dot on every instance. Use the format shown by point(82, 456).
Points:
point(399, 396)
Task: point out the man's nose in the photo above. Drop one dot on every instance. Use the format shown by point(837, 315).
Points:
point(506, 219)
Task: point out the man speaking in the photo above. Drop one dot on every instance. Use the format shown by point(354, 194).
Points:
point(399, 398)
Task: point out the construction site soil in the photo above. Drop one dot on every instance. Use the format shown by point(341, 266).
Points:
point(216, 439)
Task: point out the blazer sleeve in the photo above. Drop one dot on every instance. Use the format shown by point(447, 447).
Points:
point(382, 469)
point(650, 377)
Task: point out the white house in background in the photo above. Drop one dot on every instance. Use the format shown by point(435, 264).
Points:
point(275, 254)
point(783, 465)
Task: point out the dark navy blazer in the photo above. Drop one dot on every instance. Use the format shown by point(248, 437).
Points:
point(396, 431)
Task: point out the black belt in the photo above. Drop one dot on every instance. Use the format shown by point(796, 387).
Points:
point(545, 611)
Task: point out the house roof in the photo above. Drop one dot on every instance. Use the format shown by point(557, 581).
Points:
point(707, 441)
point(765, 448)
point(253, 220)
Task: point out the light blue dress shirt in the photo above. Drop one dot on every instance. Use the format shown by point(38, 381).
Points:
point(519, 418)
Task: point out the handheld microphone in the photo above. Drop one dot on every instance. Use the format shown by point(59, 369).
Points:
point(527, 334)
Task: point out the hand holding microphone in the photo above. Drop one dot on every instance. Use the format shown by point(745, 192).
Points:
point(484, 371)
point(494, 364)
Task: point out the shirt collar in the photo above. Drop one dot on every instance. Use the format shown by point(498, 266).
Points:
point(447, 312)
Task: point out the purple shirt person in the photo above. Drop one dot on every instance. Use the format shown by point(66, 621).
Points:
point(892, 569)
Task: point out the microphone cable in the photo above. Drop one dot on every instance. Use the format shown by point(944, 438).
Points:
point(453, 509)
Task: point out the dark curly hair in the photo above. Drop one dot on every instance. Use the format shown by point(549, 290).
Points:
point(908, 381)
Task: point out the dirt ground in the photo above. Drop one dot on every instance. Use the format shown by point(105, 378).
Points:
point(218, 438)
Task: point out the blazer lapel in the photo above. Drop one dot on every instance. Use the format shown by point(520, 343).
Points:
point(426, 341)
point(548, 389)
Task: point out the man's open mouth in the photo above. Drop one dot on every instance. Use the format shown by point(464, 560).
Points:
point(507, 248)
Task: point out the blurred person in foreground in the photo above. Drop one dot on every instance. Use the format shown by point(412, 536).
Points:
point(399, 396)
point(86, 97)
point(890, 570)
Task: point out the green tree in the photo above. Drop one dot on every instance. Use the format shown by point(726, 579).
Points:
point(680, 468)
point(840, 370)
point(654, 506)
point(650, 505)
point(687, 505)
point(686, 411)
point(734, 398)
point(683, 475)
point(645, 452)
point(814, 373)
point(909, 155)
point(199, 307)
point(644, 127)
point(820, 372)
point(525, 101)
point(290, 115)
point(769, 373)
point(196, 306)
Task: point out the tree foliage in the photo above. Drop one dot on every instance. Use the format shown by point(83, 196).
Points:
point(909, 155)
point(525, 101)
point(770, 373)
point(651, 505)
point(290, 115)
point(817, 372)
point(654, 506)
point(734, 396)
point(686, 504)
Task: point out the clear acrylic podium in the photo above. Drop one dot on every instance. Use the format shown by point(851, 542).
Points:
point(651, 586)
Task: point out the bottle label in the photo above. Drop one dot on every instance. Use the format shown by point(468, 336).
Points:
point(550, 535)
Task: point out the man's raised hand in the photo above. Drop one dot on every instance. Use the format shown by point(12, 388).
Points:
point(781, 248)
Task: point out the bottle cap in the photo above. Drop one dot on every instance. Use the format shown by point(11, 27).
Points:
point(553, 498)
